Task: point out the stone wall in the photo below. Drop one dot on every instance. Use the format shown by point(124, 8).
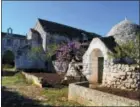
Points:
point(14, 45)
point(88, 57)
point(91, 97)
point(121, 76)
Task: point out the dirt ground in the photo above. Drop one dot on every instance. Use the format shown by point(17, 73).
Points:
point(128, 94)
point(51, 78)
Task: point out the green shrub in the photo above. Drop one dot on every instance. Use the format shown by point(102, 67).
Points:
point(7, 66)
point(129, 49)
point(8, 57)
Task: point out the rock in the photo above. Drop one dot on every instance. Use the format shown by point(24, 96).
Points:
point(32, 79)
point(64, 82)
point(127, 69)
point(122, 73)
point(129, 73)
point(60, 66)
point(74, 72)
point(135, 81)
point(71, 70)
point(132, 68)
point(133, 86)
point(131, 80)
point(123, 77)
point(133, 76)
point(118, 83)
point(123, 88)
point(119, 66)
point(127, 85)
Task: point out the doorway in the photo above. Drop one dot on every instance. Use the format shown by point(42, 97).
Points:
point(8, 58)
point(97, 65)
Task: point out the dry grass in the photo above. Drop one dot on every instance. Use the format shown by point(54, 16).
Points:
point(47, 96)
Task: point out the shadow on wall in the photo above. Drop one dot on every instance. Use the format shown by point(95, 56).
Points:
point(49, 67)
point(13, 99)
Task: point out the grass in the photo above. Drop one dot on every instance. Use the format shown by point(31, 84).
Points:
point(58, 97)
point(17, 79)
point(9, 69)
point(51, 96)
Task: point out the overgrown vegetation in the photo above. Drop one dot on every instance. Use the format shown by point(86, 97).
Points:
point(46, 96)
point(7, 66)
point(130, 49)
point(8, 59)
point(36, 52)
point(17, 79)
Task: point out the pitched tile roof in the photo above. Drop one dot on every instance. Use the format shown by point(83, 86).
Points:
point(53, 27)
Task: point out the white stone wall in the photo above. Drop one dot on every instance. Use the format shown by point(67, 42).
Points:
point(87, 57)
point(93, 97)
point(114, 75)
point(121, 76)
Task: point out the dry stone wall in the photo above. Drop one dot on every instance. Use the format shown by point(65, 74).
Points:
point(121, 76)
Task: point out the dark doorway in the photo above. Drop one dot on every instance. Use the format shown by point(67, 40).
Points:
point(8, 58)
point(100, 69)
point(97, 66)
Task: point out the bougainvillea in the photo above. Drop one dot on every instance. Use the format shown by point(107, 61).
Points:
point(66, 52)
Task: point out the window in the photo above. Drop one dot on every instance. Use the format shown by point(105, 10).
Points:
point(9, 42)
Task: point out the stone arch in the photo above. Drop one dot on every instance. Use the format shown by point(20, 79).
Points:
point(9, 30)
point(8, 57)
point(97, 53)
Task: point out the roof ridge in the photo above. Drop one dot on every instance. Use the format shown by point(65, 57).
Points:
point(64, 25)
point(13, 34)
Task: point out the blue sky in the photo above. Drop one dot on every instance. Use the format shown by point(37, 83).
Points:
point(92, 16)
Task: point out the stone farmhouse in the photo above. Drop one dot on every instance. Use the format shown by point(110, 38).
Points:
point(97, 67)
point(44, 33)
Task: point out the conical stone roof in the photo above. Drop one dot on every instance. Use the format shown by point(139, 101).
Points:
point(123, 31)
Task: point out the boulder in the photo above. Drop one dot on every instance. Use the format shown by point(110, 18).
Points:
point(74, 72)
point(133, 86)
point(131, 80)
point(123, 78)
point(32, 79)
point(127, 85)
point(60, 66)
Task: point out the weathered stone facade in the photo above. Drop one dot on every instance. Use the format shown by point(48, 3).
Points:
point(113, 75)
point(121, 76)
point(93, 97)
point(43, 34)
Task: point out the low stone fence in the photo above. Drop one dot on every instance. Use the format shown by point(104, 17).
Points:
point(32, 79)
point(121, 76)
point(91, 97)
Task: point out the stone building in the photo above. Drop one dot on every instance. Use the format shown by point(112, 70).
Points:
point(12, 42)
point(98, 68)
point(41, 35)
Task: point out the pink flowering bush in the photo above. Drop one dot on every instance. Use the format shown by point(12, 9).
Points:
point(66, 52)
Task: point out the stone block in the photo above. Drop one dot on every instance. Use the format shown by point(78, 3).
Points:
point(127, 85)
point(131, 80)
